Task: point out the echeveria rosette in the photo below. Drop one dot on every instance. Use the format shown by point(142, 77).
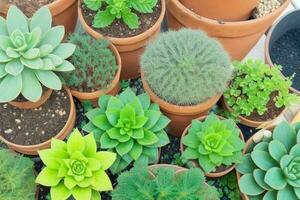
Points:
point(213, 143)
point(75, 168)
point(130, 126)
point(30, 53)
point(272, 169)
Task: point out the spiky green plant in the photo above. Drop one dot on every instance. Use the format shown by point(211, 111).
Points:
point(130, 126)
point(213, 143)
point(16, 177)
point(271, 170)
point(95, 63)
point(30, 54)
point(186, 67)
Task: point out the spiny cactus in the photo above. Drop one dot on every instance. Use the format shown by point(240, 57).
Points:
point(186, 67)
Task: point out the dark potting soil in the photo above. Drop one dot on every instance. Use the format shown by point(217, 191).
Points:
point(286, 52)
point(34, 126)
point(118, 28)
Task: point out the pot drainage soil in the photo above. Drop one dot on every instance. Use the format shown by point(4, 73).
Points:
point(30, 6)
point(286, 52)
point(34, 126)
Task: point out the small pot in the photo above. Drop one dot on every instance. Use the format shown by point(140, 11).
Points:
point(232, 10)
point(238, 38)
point(211, 174)
point(181, 116)
point(33, 149)
point(113, 89)
point(130, 48)
point(31, 105)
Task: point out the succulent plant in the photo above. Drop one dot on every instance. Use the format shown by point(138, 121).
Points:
point(30, 54)
point(16, 177)
point(213, 143)
point(75, 168)
point(186, 67)
point(130, 126)
point(271, 170)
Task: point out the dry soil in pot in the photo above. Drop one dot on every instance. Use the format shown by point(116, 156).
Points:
point(30, 6)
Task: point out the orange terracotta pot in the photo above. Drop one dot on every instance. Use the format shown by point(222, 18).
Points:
point(238, 38)
point(211, 174)
point(113, 89)
point(31, 105)
point(129, 48)
point(33, 149)
point(231, 10)
point(181, 116)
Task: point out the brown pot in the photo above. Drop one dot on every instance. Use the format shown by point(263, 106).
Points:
point(113, 89)
point(211, 174)
point(238, 38)
point(31, 105)
point(232, 10)
point(181, 116)
point(33, 149)
point(130, 48)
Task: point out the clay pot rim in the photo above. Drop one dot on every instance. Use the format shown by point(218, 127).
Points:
point(113, 84)
point(176, 109)
point(210, 174)
point(126, 40)
point(29, 147)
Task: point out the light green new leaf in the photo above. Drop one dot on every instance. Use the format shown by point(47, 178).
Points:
point(103, 19)
point(16, 20)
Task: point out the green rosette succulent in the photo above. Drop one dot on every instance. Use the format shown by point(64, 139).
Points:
point(213, 143)
point(271, 170)
point(75, 168)
point(130, 126)
point(30, 54)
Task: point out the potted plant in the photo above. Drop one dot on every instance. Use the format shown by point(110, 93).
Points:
point(31, 58)
point(258, 93)
point(98, 68)
point(185, 72)
point(270, 168)
point(214, 144)
point(129, 25)
point(75, 168)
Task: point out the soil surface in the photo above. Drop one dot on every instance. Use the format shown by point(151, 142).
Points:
point(286, 52)
point(118, 28)
point(34, 126)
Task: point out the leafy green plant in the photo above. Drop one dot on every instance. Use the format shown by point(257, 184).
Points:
point(110, 10)
point(272, 169)
point(16, 177)
point(213, 143)
point(251, 89)
point(95, 63)
point(30, 53)
point(186, 67)
point(130, 126)
point(75, 168)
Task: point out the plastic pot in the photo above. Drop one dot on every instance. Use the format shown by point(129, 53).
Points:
point(238, 38)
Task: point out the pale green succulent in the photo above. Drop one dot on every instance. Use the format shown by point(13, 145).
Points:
point(30, 53)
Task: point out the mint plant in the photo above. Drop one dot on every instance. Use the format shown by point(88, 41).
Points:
point(110, 10)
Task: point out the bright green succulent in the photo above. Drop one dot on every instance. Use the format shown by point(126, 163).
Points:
point(75, 168)
point(130, 126)
point(213, 143)
point(271, 170)
point(30, 54)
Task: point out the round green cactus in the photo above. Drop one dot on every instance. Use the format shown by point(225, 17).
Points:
point(272, 169)
point(30, 54)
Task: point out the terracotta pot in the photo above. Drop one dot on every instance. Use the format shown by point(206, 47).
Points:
point(33, 149)
point(232, 10)
point(64, 12)
point(196, 164)
point(113, 89)
point(238, 38)
point(31, 105)
point(130, 48)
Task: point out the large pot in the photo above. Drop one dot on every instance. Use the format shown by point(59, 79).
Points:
point(238, 38)
point(129, 48)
